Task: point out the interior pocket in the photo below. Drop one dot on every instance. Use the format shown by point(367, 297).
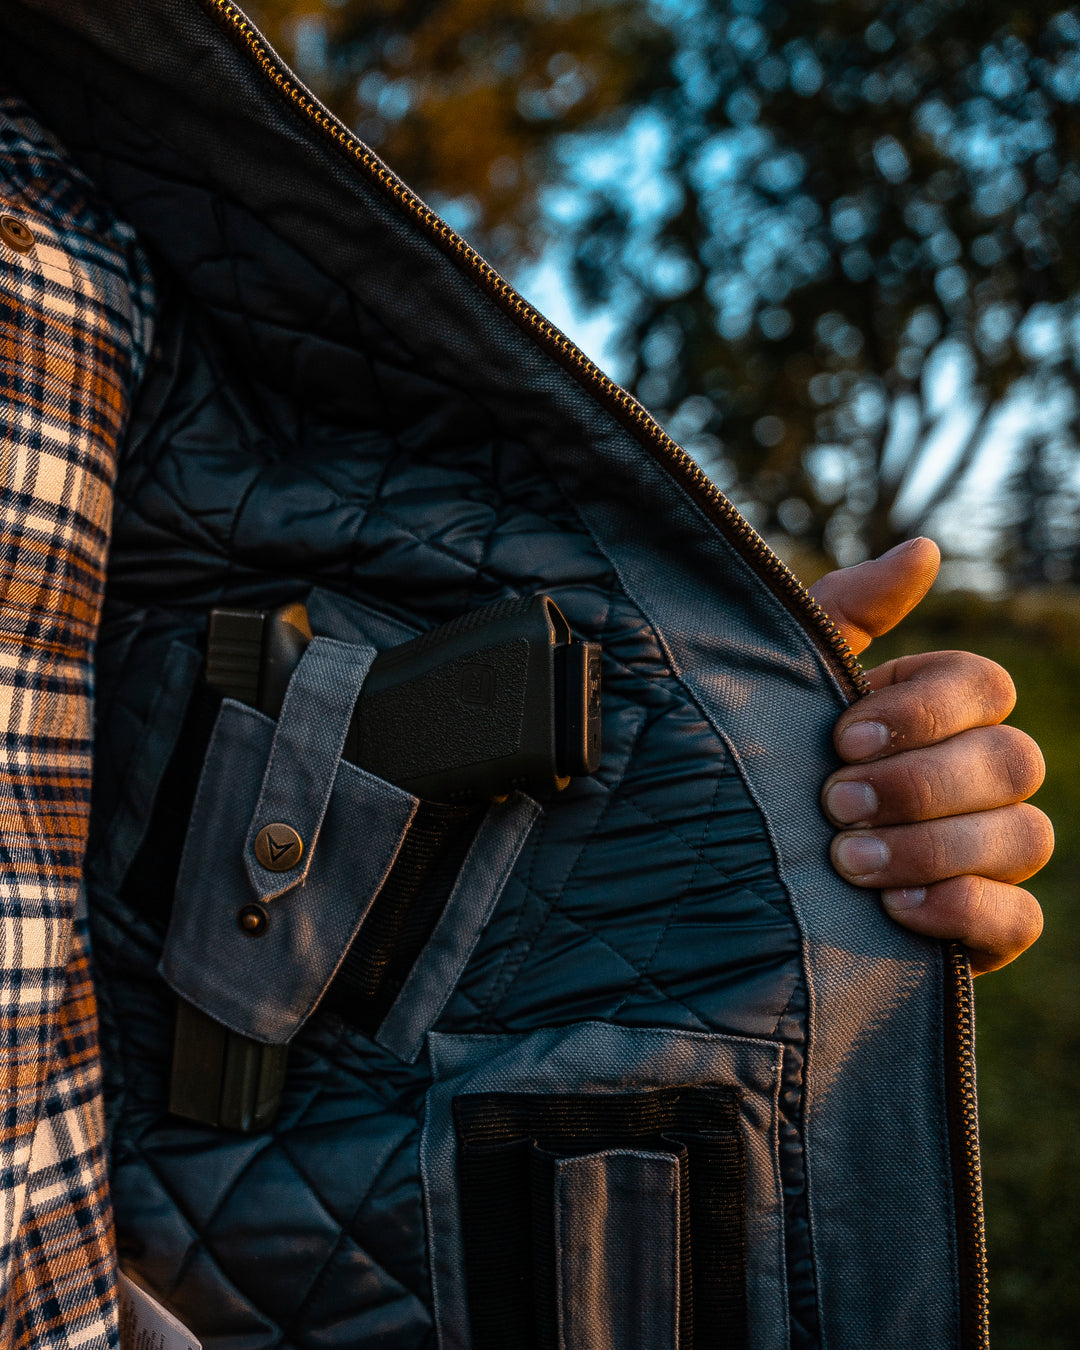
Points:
point(611, 1221)
point(597, 1187)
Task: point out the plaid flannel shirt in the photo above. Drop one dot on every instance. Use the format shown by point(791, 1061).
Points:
point(76, 304)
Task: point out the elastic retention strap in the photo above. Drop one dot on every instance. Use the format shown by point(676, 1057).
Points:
point(403, 914)
point(508, 1146)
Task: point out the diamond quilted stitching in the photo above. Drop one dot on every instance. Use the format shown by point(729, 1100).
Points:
point(406, 490)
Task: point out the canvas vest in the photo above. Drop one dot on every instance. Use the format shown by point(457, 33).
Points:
point(652, 1077)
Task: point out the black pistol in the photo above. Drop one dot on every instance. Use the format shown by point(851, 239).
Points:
point(500, 699)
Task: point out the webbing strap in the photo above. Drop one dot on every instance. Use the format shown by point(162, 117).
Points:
point(620, 1267)
point(304, 757)
point(508, 1144)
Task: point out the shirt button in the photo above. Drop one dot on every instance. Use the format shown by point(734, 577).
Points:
point(16, 235)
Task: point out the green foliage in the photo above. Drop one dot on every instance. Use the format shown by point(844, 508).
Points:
point(861, 194)
point(807, 216)
point(1028, 1015)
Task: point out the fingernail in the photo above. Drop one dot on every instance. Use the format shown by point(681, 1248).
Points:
point(863, 739)
point(906, 897)
point(861, 855)
point(848, 803)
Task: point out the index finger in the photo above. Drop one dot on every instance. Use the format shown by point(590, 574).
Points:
point(921, 700)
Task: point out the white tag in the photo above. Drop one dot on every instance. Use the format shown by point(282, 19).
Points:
point(145, 1325)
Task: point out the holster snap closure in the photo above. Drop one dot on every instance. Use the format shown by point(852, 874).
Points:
point(310, 736)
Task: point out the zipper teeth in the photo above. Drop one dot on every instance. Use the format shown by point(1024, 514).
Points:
point(782, 579)
point(970, 1203)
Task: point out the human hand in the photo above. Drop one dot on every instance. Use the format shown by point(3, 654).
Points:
point(932, 810)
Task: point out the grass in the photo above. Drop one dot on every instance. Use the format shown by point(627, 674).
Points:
point(1028, 1015)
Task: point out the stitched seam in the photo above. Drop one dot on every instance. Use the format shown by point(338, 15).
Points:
point(703, 1022)
point(678, 902)
point(345, 1234)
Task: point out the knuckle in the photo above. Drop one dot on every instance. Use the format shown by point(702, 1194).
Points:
point(922, 791)
point(1018, 922)
point(1027, 918)
point(965, 911)
point(977, 682)
point(1040, 835)
point(999, 691)
point(992, 683)
point(914, 718)
point(1016, 761)
point(928, 789)
point(970, 897)
point(1025, 840)
point(995, 921)
point(937, 845)
point(997, 917)
point(960, 691)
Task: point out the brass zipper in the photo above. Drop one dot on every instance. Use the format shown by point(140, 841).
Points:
point(626, 408)
point(967, 1169)
point(963, 1113)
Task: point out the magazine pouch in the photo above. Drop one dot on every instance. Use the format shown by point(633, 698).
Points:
point(597, 1187)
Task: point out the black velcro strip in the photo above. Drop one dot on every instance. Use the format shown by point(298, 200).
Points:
point(496, 1182)
point(403, 915)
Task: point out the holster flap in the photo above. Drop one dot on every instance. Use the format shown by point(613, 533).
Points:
point(253, 947)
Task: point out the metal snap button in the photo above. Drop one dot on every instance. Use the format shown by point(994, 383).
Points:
point(16, 235)
point(278, 847)
point(253, 920)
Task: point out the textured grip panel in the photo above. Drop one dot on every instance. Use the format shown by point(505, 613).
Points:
point(467, 711)
point(472, 619)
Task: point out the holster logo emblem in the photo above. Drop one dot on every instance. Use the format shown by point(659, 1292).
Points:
point(278, 847)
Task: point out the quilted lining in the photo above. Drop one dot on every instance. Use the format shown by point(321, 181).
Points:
point(289, 438)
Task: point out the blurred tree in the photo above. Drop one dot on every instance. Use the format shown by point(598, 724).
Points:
point(839, 236)
point(466, 98)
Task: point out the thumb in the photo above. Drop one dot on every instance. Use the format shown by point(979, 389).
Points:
point(867, 600)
